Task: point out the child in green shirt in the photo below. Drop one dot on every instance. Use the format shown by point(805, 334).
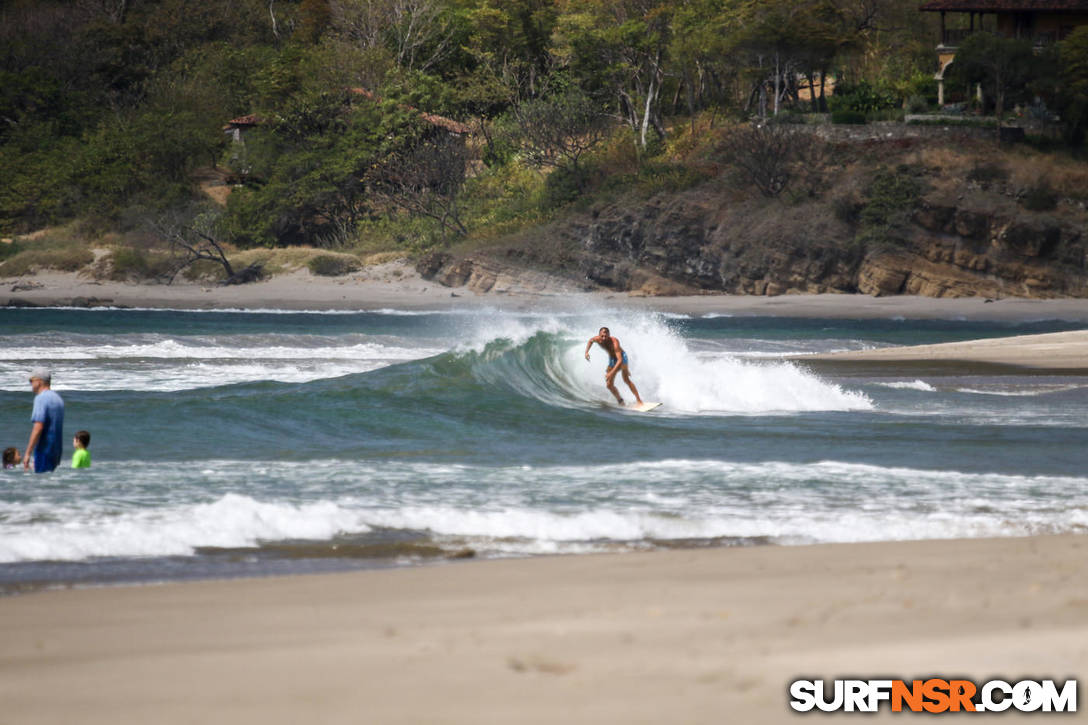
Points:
point(82, 457)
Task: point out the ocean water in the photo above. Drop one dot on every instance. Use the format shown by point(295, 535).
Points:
point(252, 443)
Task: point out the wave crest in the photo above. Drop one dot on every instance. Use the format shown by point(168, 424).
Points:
point(548, 365)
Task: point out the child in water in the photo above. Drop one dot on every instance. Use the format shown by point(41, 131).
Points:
point(82, 457)
point(12, 457)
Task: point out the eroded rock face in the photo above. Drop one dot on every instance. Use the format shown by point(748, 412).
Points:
point(484, 274)
point(694, 242)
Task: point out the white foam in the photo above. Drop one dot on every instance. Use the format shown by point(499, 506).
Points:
point(910, 385)
point(522, 509)
point(170, 365)
point(231, 521)
point(665, 369)
point(1020, 392)
point(173, 349)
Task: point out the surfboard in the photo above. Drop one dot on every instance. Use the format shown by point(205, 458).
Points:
point(644, 407)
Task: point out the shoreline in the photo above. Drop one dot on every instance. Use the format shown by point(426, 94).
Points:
point(398, 286)
point(680, 636)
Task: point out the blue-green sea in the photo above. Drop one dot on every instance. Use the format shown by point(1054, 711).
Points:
point(231, 443)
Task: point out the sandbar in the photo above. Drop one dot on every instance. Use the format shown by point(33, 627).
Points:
point(1066, 351)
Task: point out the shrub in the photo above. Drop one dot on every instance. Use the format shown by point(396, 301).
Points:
point(126, 262)
point(917, 104)
point(1040, 197)
point(790, 117)
point(662, 177)
point(562, 186)
point(848, 117)
point(333, 265)
point(884, 114)
point(890, 195)
point(205, 270)
point(864, 97)
point(988, 172)
point(889, 198)
point(845, 208)
point(10, 249)
point(130, 263)
point(65, 259)
point(764, 153)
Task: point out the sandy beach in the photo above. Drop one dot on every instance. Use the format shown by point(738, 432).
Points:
point(397, 285)
point(695, 636)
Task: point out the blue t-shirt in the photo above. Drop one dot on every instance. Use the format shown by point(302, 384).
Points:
point(49, 411)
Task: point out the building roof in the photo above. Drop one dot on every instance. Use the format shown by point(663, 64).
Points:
point(1007, 6)
point(250, 119)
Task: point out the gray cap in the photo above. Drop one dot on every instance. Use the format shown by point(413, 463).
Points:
point(43, 374)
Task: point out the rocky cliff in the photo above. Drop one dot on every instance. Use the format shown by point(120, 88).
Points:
point(957, 239)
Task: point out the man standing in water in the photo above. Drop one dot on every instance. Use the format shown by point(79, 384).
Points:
point(46, 435)
point(617, 362)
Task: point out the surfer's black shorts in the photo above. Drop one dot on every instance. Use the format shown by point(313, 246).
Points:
point(612, 360)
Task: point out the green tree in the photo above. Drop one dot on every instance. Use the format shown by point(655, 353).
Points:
point(423, 176)
point(419, 34)
point(511, 41)
point(782, 42)
point(1072, 93)
point(702, 55)
point(559, 128)
point(314, 17)
point(620, 49)
point(307, 167)
point(883, 41)
point(1004, 67)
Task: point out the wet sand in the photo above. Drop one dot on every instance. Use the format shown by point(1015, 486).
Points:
point(694, 636)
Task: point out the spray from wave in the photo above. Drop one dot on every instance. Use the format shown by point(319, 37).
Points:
point(545, 360)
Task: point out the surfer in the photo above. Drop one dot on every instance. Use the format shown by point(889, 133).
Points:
point(617, 363)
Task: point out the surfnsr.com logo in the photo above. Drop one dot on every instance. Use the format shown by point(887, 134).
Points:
point(933, 695)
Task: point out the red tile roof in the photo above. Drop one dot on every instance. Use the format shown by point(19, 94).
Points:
point(250, 119)
point(1008, 6)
